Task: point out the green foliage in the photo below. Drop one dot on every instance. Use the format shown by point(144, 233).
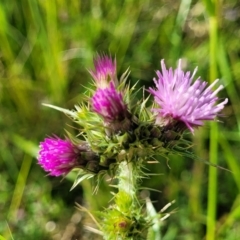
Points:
point(45, 49)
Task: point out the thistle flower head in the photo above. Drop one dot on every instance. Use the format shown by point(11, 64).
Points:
point(109, 104)
point(181, 100)
point(57, 156)
point(105, 71)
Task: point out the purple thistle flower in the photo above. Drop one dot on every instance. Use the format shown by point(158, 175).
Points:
point(183, 101)
point(109, 104)
point(105, 71)
point(57, 156)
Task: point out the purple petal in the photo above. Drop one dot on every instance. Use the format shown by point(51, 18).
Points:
point(57, 156)
point(105, 70)
point(109, 103)
point(181, 99)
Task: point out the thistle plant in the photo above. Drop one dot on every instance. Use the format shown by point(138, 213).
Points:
point(120, 134)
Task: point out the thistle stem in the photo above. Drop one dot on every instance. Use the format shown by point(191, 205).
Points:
point(127, 180)
point(125, 219)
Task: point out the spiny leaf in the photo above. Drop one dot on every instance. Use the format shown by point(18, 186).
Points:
point(66, 111)
point(81, 176)
point(154, 230)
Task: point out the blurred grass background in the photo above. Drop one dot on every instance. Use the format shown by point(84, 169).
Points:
point(45, 49)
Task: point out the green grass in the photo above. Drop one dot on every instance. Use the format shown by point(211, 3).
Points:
point(46, 48)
